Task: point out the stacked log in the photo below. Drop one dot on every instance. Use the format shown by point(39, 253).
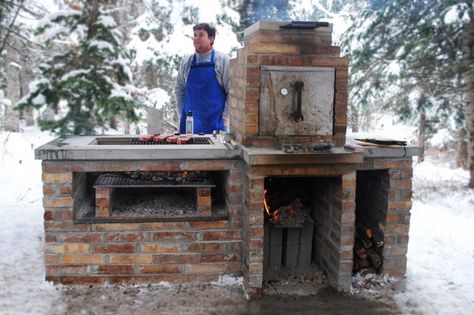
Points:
point(368, 248)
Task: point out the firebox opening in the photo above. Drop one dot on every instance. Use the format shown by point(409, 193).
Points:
point(148, 196)
point(371, 212)
point(299, 231)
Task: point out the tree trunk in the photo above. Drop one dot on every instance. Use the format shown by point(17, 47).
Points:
point(468, 50)
point(462, 157)
point(355, 120)
point(12, 90)
point(421, 136)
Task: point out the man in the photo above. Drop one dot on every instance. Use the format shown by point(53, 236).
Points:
point(202, 84)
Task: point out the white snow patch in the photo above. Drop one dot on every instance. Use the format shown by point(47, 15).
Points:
point(102, 45)
point(441, 138)
point(74, 73)
point(458, 13)
point(229, 280)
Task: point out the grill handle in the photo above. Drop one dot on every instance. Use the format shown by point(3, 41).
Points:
point(297, 114)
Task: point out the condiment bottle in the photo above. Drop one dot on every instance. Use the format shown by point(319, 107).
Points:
point(189, 123)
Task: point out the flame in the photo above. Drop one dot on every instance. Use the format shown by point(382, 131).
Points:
point(276, 215)
point(265, 204)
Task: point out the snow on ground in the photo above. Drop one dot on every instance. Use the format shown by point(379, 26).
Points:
point(441, 246)
point(440, 256)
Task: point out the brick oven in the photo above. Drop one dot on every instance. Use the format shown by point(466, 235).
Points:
point(121, 213)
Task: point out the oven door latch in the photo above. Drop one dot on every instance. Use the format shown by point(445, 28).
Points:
point(297, 114)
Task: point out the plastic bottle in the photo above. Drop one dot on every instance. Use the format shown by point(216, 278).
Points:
point(189, 123)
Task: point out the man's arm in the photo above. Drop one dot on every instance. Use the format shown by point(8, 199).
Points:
point(224, 78)
point(180, 84)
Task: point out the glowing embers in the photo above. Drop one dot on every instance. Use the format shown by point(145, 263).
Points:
point(286, 202)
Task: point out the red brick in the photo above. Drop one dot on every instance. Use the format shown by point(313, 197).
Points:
point(256, 232)
point(154, 248)
point(176, 258)
point(82, 259)
point(130, 279)
point(130, 259)
point(218, 257)
point(49, 189)
point(65, 189)
point(396, 228)
point(81, 280)
point(169, 268)
point(84, 238)
point(215, 236)
point(174, 236)
point(208, 224)
point(57, 178)
point(206, 191)
point(114, 248)
point(66, 226)
point(330, 61)
point(127, 237)
point(48, 215)
point(205, 247)
point(348, 205)
point(205, 268)
point(66, 269)
point(57, 202)
point(70, 248)
point(115, 269)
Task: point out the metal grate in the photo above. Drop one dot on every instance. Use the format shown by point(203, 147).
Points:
point(197, 140)
point(153, 180)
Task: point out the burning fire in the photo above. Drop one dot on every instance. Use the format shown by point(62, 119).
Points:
point(283, 213)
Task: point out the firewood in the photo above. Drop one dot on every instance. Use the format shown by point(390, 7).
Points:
point(360, 264)
point(374, 258)
point(362, 253)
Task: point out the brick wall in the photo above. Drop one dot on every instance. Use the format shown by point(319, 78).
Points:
point(266, 44)
point(393, 189)
point(333, 214)
point(96, 253)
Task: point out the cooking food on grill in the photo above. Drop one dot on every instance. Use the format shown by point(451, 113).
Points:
point(183, 140)
point(145, 138)
point(160, 138)
point(172, 139)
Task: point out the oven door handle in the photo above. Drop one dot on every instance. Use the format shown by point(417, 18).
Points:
point(297, 114)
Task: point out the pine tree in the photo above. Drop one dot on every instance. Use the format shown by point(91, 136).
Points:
point(87, 82)
point(252, 11)
point(406, 58)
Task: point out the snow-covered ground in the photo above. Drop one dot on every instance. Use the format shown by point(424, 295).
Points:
point(440, 257)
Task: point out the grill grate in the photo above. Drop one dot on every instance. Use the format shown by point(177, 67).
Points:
point(197, 140)
point(154, 180)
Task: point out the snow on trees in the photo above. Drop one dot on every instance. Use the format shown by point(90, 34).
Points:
point(88, 74)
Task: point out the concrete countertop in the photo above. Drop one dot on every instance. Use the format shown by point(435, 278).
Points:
point(102, 148)
point(266, 156)
point(117, 148)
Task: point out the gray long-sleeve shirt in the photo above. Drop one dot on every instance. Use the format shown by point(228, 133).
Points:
point(222, 64)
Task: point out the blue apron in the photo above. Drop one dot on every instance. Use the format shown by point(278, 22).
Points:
point(204, 96)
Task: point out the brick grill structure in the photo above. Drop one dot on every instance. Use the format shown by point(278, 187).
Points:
point(136, 252)
point(96, 250)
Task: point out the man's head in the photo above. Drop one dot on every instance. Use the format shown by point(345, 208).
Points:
point(204, 35)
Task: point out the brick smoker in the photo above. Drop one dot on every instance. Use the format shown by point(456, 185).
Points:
point(193, 212)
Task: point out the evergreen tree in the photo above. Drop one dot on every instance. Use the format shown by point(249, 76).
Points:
point(252, 11)
point(86, 83)
point(406, 57)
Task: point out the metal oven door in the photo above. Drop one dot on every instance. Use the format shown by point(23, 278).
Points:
point(296, 101)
